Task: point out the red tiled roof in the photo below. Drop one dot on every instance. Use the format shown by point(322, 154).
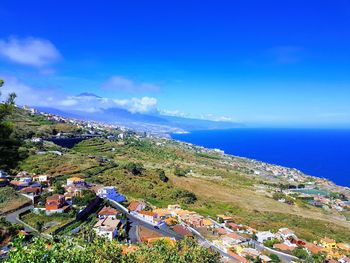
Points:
point(108, 211)
point(182, 231)
point(31, 189)
point(283, 247)
point(238, 257)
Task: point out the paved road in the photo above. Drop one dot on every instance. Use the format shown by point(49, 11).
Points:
point(14, 219)
point(283, 256)
point(139, 221)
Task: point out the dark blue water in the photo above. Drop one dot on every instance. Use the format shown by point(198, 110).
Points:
point(323, 153)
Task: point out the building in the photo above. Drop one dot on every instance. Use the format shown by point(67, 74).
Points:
point(107, 227)
point(148, 215)
point(108, 212)
point(285, 233)
point(19, 184)
point(137, 206)
point(264, 235)
point(183, 231)
point(75, 181)
point(55, 204)
point(110, 192)
point(328, 243)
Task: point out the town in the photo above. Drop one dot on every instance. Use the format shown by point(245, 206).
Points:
point(72, 206)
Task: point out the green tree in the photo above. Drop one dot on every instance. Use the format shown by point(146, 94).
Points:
point(301, 253)
point(163, 177)
point(274, 258)
point(39, 225)
point(9, 144)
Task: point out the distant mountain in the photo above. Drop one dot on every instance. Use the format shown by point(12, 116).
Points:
point(144, 122)
point(88, 94)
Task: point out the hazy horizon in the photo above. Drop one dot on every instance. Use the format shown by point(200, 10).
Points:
point(262, 64)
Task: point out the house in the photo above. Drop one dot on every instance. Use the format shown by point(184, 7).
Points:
point(252, 252)
point(110, 192)
point(108, 212)
point(328, 243)
point(31, 190)
point(19, 184)
point(237, 257)
point(208, 223)
point(231, 239)
point(284, 247)
point(264, 258)
point(344, 247)
point(234, 226)
point(147, 215)
point(42, 178)
point(225, 219)
point(285, 233)
point(55, 204)
point(3, 178)
point(264, 235)
point(162, 213)
point(75, 181)
point(107, 227)
point(137, 206)
point(22, 174)
point(183, 231)
point(25, 179)
point(312, 248)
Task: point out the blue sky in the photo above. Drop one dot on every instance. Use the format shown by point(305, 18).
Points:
point(262, 63)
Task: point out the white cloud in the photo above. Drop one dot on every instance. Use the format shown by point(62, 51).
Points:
point(120, 83)
point(175, 113)
point(29, 51)
point(49, 97)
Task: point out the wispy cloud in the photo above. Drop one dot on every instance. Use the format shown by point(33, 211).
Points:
point(29, 51)
point(120, 83)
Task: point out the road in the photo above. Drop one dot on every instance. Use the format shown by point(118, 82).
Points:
point(141, 222)
point(283, 256)
point(13, 218)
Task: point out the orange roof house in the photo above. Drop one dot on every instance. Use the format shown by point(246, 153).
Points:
point(137, 206)
point(183, 231)
point(283, 247)
point(55, 203)
point(108, 212)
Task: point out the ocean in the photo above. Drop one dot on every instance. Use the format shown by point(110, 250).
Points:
point(323, 153)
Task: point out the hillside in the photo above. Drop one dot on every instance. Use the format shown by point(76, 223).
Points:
point(199, 179)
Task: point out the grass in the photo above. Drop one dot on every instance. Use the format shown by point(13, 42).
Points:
point(57, 220)
point(10, 199)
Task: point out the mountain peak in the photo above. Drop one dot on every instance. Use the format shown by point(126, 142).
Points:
point(88, 94)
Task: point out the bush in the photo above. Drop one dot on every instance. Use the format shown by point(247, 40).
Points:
point(180, 172)
point(163, 177)
point(185, 196)
point(135, 168)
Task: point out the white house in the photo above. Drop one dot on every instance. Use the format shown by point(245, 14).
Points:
point(107, 228)
point(264, 235)
point(285, 233)
point(111, 192)
point(148, 215)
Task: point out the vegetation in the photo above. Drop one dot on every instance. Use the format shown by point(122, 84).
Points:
point(10, 199)
point(83, 200)
point(100, 250)
point(45, 223)
point(10, 145)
